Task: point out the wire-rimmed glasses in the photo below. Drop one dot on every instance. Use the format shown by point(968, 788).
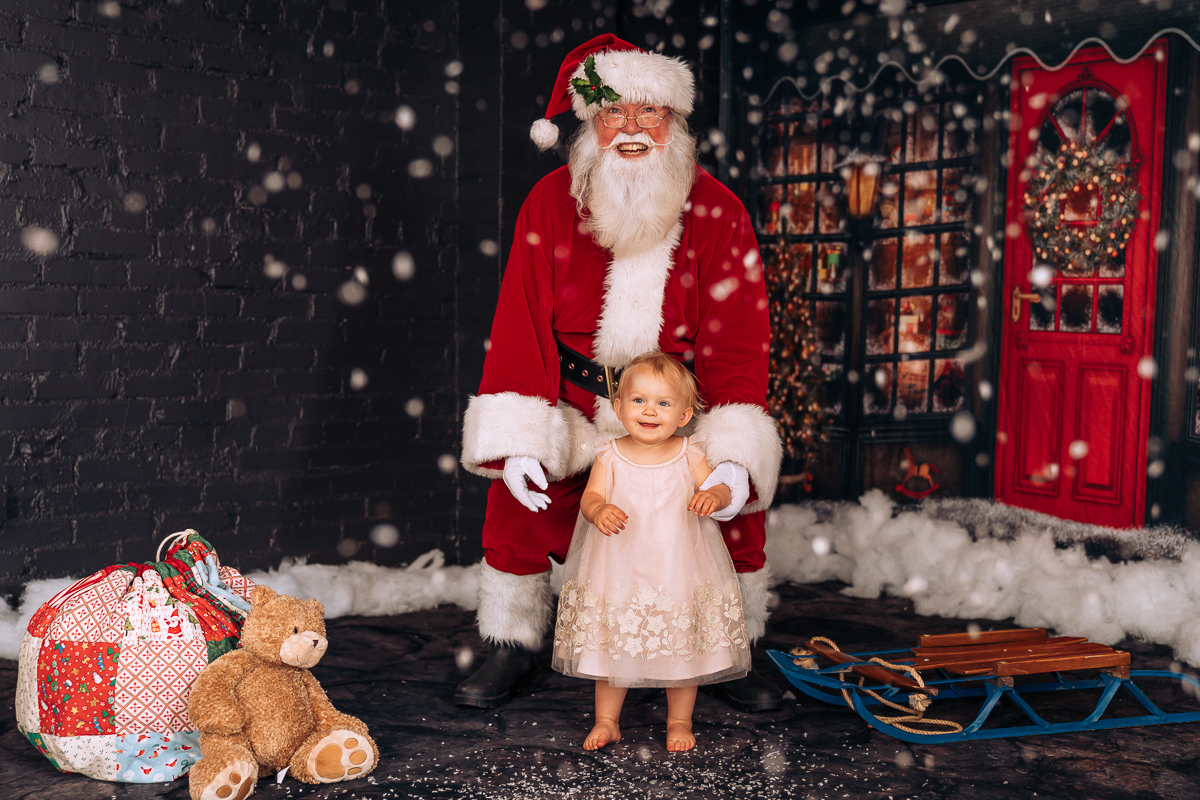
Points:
point(647, 118)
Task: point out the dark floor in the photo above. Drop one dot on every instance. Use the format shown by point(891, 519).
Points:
point(398, 674)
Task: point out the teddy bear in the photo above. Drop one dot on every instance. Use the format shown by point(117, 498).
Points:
point(259, 710)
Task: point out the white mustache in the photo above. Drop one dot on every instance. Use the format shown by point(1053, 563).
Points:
point(636, 139)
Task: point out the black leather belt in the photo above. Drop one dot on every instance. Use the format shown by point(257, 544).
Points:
point(587, 374)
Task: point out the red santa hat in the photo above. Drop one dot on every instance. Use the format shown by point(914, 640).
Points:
point(635, 75)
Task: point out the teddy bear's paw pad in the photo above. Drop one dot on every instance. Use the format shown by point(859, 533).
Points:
point(340, 756)
point(235, 782)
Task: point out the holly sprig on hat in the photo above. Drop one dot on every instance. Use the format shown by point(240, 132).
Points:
point(591, 87)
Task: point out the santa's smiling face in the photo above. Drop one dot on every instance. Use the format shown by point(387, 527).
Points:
point(630, 139)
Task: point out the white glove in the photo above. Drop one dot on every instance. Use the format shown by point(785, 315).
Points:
point(518, 469)
point(736, 478)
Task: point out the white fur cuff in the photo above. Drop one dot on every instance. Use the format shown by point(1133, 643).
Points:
point(755, 601)
point(746, 435)
point(496, 426)
point(513, 609)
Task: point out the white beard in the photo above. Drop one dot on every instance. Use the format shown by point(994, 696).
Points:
point(632, 204)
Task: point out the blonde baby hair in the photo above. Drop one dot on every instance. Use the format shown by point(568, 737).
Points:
point(663, 366)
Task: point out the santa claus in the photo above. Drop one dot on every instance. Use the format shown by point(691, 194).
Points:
point(631, 247)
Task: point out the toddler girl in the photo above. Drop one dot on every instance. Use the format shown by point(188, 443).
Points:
point(649, 594)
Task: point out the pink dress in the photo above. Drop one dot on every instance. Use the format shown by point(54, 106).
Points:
point(657, 604)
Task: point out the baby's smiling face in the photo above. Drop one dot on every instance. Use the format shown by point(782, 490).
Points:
point(650, 406)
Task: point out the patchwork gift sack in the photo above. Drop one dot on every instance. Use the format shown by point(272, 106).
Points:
point(107, 665)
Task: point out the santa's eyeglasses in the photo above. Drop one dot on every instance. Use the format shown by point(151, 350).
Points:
point(647, 118)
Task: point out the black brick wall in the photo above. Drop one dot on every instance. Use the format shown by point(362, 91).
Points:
point(182, 354)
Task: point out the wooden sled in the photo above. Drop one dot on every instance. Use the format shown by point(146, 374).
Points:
point(986, 665)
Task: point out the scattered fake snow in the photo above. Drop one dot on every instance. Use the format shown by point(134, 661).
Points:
point(1017, 564)
point(953, 558)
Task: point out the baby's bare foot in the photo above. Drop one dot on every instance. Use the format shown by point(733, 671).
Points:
point(679, 737)
point(604, 732)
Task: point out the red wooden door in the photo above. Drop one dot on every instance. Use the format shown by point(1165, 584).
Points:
point(1076, 351)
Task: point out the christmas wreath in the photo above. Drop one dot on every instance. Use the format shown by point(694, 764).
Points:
point(1077, 168)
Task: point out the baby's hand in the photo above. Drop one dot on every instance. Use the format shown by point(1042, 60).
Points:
point(704, 503)
point(610, 519)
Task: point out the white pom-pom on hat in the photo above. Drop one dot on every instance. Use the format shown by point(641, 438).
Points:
point(544, 133)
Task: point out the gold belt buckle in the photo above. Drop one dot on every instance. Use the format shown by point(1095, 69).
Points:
point(610, 383)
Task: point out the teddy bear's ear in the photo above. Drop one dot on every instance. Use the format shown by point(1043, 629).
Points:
point(316, 607)
point(261, 594)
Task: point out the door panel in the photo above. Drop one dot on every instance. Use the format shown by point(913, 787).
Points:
point(1041, 427)
point(1072, 410)
point(1100, 426)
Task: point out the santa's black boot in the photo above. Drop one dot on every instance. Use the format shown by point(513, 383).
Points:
point(507, 669)
point(514, 615)
point(751, 693)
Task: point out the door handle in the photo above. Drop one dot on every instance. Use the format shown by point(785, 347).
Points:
point(1017, 297)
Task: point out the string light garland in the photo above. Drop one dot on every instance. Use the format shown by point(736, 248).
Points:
point(1074, 169)
point(793, 394)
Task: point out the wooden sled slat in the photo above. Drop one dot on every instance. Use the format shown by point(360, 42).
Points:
point(868, 670)
point(982, 637)
point(966, 660)
point(1057, 641)
point(1037, 666)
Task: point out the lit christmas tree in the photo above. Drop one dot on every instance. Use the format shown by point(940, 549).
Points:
point(795, 368)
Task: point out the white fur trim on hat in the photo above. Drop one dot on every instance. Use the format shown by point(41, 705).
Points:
point(640, 77)
point(744, 434)
point(513, 609)
point(544, 134)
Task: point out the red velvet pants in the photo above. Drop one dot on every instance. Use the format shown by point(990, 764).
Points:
point(521, 542)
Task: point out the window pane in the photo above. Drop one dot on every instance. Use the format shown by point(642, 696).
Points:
point(923, 135)
point(772, 159)
point(1110, 308)
point(952, 321)
point(917, 267)
point(948, 384)
point(768, 209)
point(956, 197)
point(1068, 113)
point(833, 203)
point(1041, 315)
point(880, 330)
point(881, 273)
point(1101, 110)
point(830, 321)
point(832, 264)
point(877, 392)
point(911, 390)
point(960, 131)
point(801, 207)
point(889, 199)
point(1075, 312)
point(795, 272)
point(915, 319)
point(831, 388)
point(920, 197)
point(1113, 266)
point(802, 155)
point(954, 263)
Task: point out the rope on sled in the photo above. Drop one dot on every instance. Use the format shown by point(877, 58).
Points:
point(917, 702)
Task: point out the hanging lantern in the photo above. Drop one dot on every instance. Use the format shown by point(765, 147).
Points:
point(861, 173)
